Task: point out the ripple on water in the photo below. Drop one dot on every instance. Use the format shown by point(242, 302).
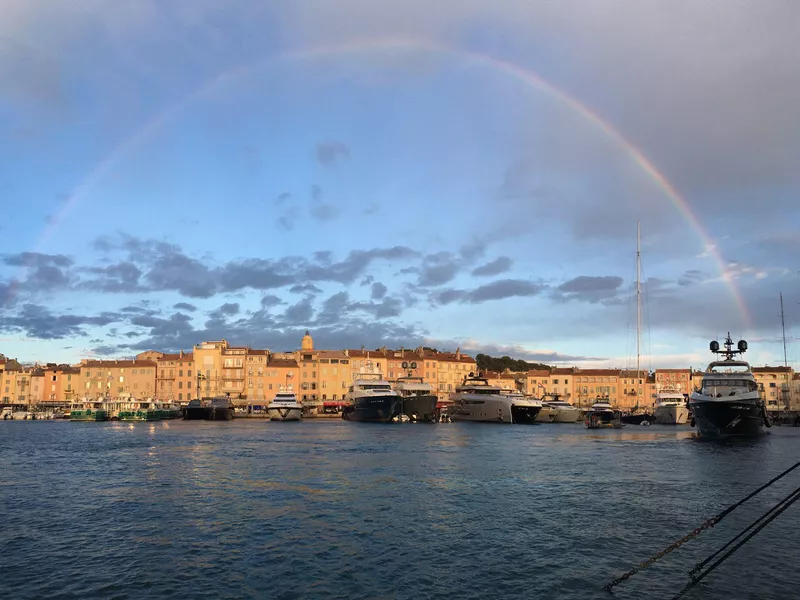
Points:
point(331, 509)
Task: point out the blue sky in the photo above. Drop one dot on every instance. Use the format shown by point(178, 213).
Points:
point(222, 176)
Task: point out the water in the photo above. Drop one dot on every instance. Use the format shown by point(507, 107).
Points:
point(330, 509)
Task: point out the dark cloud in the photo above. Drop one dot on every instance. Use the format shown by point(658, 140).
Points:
point(388, 307)
point(378, 290)
point(40, 273)
point(587, 288)
point(371, 209)
point(269, 300)
point(333, 309)
point(495, 267)
point(228, 309)
point(316, 193)
point(323, 211)
point(473, 250)
point(300, 313)
point(438, 269)
point(119, 277)
point(39, 322)
point(185, 306)
point(305, 288)
point(519, 352)
point(330, 153)
point(496, 290)
point(282, 198)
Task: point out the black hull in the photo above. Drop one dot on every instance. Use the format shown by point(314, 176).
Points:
point(524, 415)
point(728, 419)
point(218, 413)
point(193, 413)
point(373, 409)
point(638, 419)
point(420, 408)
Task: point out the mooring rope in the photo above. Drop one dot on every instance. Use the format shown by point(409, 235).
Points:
point(775, 512)
point(697, 531)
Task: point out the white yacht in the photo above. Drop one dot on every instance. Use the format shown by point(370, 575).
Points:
point(602, 415)
point(371, 398)
point(565, 412)
point(285, 407)
point(476, 400)
point(671, 408)
point(728, 402)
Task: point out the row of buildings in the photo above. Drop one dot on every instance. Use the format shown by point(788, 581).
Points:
point(321, 377)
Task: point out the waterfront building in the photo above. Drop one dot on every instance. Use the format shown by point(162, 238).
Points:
point(775, 385)
point(115, 378)
point(266, 373)
point(176, 376)
point(61, 384)
point(678, 380)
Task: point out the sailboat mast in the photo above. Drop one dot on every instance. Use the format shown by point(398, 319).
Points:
point(638, 300)
point(783, 331)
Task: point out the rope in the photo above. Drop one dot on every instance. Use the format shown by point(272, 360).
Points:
point(788, 501)
point(700, 565)
point(706, 525)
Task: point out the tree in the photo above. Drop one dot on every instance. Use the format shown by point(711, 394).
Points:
point(491, 363)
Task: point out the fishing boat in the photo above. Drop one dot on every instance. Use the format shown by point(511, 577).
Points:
point(418, 400)
point(285, 406)
point(371, 398)
point(221, 409)
point(196, 411)
point(88, 410)
point(602, 416)
point(728, 402)
point(137, 410)
point(167, 410)
point(671, 408)
point(477, 401)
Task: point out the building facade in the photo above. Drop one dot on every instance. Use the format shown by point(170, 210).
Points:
point(117, 378)
point(176, 377)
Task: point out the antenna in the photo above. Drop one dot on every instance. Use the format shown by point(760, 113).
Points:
point(783, 331)
point(638, 301)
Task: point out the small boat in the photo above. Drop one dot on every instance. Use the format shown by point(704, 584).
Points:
point(7, 414)
point(638, 418)
point(23, 415)
point(418, 400)
point(728, 402)
point(371, 398)
point(196, 411)
point(167, 410)
point(88, 410)
point(221, 409)
point(285, 407)
point(137, 410)
point(601, 416)
point(671, 408)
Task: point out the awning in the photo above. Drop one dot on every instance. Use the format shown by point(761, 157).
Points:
point(333, 404)
point(444, 404)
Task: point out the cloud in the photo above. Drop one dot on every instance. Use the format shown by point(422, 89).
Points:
point(305, 288)
point(587, 288)
point(300, 313)
point(496, 290)
point(691, 277)
point(39, 322)
point(282, 198)
point(228, 309)
point(439, 268)
point(495, 267)
point(330, 154)
point(185, 306)
point(269, 300)
point(378, 290)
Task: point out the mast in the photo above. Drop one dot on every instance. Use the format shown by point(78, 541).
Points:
point(783, 331)
point(638, 302)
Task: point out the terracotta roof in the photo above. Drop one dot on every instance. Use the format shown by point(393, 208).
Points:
point(283, 363)
point(187, 356)
point(672, 371)
point(117, 364)
point(453, 357)
point(564, 371)
point(252, 352)
point(539, 373)
point(768, 369)
point(603, 372)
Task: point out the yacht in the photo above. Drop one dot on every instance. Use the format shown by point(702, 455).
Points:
point(566, 412)
point(418, 400)
point(548, 413)
point(601, 416)
point(371, 398)
point(196, 411)
point(136, 410)
point(475, 400)
point(671, 408)
point(285, 407)
point(728, 402)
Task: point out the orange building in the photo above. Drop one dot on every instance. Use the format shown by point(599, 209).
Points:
point(176, 377)
point(266, 374)
point(61, 384)
point(674, 380)
point(116, 378)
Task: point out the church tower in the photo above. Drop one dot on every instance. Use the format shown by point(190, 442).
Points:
point(308, 343)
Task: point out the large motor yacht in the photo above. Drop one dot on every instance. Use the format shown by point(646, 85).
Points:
point(561, 411)
point(476, 400)
point(728, 402)
point(285, 407)
point(418, 399)
point(371, 398)
point(671, 408)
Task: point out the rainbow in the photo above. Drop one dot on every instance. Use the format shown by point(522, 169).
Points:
point(526, 76)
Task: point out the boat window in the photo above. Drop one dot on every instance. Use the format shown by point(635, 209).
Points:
point(374, 386)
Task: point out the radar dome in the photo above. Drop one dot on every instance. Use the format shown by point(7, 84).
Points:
point(742, 345)
point(714, 346)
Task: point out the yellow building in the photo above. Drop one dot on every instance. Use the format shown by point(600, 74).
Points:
point(176, 377)
point(323, 375)
point(266, 374)
point(61, 384)
point(208, 363)
point(775, 385)
point(115, 378)
point(506, 380)
point(451, 370)
point(674, 380)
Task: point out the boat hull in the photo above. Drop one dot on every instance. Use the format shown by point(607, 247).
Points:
point(373, 409)
point(196, 413)
point(640, 419)
point(285, 413)
point(524, 414)
point(220, 413)
point(138, 415)
point(87, 415)
point(734, 418)
point(420, 408)
point(672, 415)
point(567, 416)
point(547, 415)
point(603, 420)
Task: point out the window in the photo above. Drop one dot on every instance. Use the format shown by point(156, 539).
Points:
point(180, 396)
point(133, 371)
point(189, 373)
point(180, 385)
point(180, 373)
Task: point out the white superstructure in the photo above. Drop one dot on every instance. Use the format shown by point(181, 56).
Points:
point(476, 400)
point(671, 408)
point(285, 407)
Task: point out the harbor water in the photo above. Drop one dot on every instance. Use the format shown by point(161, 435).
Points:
point(331, 509)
